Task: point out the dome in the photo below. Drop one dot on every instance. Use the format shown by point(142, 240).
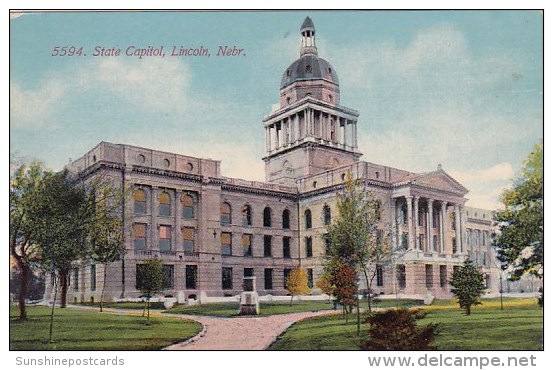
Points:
point(308, 67)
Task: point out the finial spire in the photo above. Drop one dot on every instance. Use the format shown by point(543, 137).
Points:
point(308, 38)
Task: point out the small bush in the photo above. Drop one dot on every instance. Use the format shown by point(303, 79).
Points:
point(540, 298)
point(398, 330)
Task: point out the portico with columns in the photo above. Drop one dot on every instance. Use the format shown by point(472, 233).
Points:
point(427, 231)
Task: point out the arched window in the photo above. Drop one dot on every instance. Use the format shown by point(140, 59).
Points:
point(286, 219)
point(326, 215)
point(164, 204)
point(246, 215)
point(378, 209)
point(188, 206)
point(267, 217)
point(307, 216)
point(139, 198)
point(226, 217)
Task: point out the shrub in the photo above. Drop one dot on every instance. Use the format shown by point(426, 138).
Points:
point(397, 329)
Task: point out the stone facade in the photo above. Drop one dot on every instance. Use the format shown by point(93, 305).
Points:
point(210, 231)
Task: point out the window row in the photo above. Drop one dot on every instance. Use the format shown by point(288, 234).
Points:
point(308, 217)
point(165, 237)
point(247, 243)
point(74, 278)
point(164, 204)
point(247, 218)
point(190, 276)
point(268, 275)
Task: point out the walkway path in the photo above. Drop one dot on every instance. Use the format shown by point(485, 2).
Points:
point(240, 333)
point(227, 333)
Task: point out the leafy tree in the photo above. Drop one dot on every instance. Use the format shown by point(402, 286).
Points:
point(35, 284)
point(106, 232)
point(519, 241)
point(324, 283)
point(397, 329)
point(354, 235)
point(65, 224)
point(149, 280)
point(297, 283)
point(468, 285)
point(26, 219)
point(345, 280)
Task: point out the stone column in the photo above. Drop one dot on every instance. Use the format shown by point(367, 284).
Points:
point(410, 230)
point(462, 243)
point(177, 238)
point(394, 222)
point(458, 234)
point(429, 216)
point(398, 223)
point(297, 127)
point(443, 216)
point(153, 225)
point(267, 139)
point(355, 134)
point(416, 214)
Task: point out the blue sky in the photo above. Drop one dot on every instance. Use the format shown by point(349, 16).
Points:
point(460, 88)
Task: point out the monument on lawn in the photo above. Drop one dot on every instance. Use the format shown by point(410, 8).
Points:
point(249, 299)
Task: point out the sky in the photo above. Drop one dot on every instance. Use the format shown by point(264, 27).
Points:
point(463, 89)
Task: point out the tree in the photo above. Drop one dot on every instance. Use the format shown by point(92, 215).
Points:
point(149, 280)
point(296, 283)
point(345, 278)
point(64, 226)
point(324, 283)
point(519, 241)
point(468, 285)
point(397, 329)
point(354, 235)
point(26, 216)
point(106, 232)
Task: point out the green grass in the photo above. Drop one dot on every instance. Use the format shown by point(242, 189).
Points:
point(86, 330)
point(273, 308)
point(518, 327)
point(128, 305)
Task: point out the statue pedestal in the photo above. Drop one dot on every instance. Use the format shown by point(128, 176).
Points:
point(249, 303)
point(249, 299)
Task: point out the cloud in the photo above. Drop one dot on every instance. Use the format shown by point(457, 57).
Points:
point(499, 172)
point(33, 108)
point(148, 84)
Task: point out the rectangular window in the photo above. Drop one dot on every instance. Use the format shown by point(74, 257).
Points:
point(248, 272)
point(191, 276)
point(308, 247)
point(227, 278)
point(76, 279)
point(328, 244)
point(226, 244)
point(168, 276)
point(435, 243)
point(421, 218)
point(140, 276)
point(401, 278)
point(267, 246)
point(268, 279)
point(287, 273)
point(92, 277)
point(429, 276)
point(454, 245)
point(484, 258)
point(247, 245)
point(435, 216)
point(139, 206)
point(404, 215)
point(310, 278)
point(164, 237)
point(404, 240)
point(286, 247)
point(188, 236)
point(422, 245)
point(443, 275)
point(139, 236)
point(379, 275)
point(455, 269)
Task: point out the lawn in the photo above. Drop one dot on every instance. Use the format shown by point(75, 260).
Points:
point(274, 308)
point(518, 327)
point(87, 330)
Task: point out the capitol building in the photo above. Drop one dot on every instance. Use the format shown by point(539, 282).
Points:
point(210, 231)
